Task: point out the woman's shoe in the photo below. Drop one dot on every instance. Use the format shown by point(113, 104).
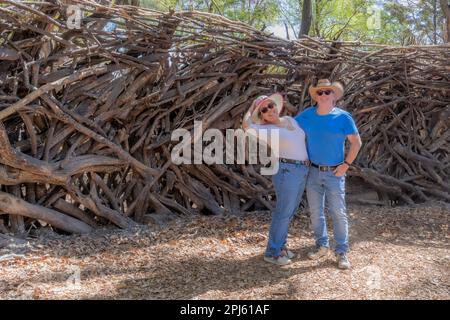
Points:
point(280, 260)
point(288, 253)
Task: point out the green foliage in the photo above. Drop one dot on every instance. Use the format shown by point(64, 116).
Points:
point(341, 19)
point(418, 21)
point(387, 22)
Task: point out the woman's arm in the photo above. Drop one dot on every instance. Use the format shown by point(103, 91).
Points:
point(247, 121)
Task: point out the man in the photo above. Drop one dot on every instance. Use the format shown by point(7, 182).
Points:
point(327, 127)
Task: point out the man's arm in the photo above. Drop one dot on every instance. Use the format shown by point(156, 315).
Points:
point(355, 146)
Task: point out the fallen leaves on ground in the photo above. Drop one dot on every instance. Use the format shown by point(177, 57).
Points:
point(396, 253)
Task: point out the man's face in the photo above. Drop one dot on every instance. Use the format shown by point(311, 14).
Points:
point(325, 95)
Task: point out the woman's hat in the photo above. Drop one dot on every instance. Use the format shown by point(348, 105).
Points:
point(324, 84)
point(261, 101)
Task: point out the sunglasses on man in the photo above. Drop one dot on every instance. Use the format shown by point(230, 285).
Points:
point(326, 92)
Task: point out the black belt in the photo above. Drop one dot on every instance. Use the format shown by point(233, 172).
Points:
point(304, 162)
point(324, 168)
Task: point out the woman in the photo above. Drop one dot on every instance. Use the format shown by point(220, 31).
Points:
point(289, 181)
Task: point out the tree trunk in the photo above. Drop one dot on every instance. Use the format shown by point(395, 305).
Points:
point(446, 10)
point(435, 21)
point(287, 30)
point(12, 205)
point(306, 17)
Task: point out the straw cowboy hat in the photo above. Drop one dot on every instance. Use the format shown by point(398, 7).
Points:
point(324, 84)
point(261, 101)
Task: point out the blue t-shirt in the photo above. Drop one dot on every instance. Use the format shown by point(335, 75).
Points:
point(325, 134)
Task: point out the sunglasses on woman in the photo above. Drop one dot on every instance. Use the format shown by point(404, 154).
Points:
point(326, 92)
point(269, 106)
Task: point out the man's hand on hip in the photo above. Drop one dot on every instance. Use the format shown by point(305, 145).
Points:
point(341, 170)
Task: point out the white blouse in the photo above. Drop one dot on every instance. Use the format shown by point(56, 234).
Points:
point(292, 144)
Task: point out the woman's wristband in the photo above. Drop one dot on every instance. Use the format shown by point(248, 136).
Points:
point(349, 164)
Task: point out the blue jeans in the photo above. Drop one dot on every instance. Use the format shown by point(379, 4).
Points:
point(289, 183)
point(324, 187)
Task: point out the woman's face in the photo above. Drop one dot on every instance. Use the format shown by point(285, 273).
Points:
point(325, 96)
point(269, 112)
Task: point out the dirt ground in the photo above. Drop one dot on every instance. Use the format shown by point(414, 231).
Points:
point(396, 253)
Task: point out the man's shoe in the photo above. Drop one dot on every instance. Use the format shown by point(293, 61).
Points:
point(320, 253)
point(280, 260)
point(342, 261)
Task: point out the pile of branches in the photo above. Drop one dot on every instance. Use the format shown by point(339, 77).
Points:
point(86, 114)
